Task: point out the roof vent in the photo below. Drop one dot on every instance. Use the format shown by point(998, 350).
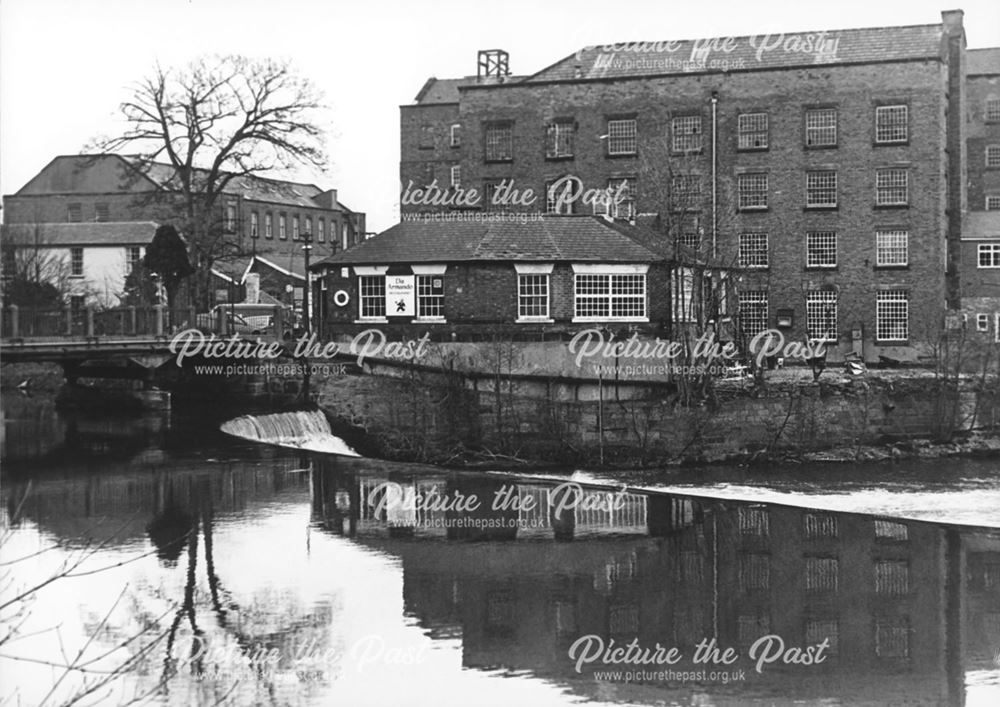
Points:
point(493, 64)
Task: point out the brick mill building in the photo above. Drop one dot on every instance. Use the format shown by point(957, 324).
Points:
point(840, 174)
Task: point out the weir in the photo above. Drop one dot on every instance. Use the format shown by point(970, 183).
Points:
point(303, 429)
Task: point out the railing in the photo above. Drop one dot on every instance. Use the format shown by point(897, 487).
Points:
point(147, 322)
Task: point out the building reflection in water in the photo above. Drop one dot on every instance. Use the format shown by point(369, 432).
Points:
point(906, 608)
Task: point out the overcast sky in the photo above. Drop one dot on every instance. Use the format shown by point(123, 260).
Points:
point(65, 65)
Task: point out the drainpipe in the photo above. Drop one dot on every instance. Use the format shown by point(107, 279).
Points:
point(715, 173)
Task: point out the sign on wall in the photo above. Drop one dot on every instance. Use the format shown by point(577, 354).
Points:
point(400, 295)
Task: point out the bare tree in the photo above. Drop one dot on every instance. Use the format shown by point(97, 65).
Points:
point(217, 124)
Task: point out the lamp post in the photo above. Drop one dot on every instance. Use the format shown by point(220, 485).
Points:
point(307, 295)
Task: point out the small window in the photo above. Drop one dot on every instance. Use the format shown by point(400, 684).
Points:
point(821, 189)
point(456, 135)
point(753, 312)
point(430, 296)
point(996, 327)
point(101, 212)
point(822, 574)
point(493, 194)
point(892, 638)
point(254, 224)
point(371, 299)
point(821, 315)
point(752, 131)
point(622, 198)
point(282, 228)
point(993, 155)
point(133, 256)
point(685, 192)
point(559, 138)
point(230, 223)
point(532, 296)
point(307, 228)
point(558, 194)
point(76, 262)
point(621, 137)
point(74, 213)
point(268, 225)
point(821, 127)
point(752, 191)
point(982, 322)
point(295, 227)
point(989, 255)
point(456, 176)
point(891, 248)
point(499, 145)
point(892, 577)
point(892, 187)
point(993, 202)
point(821, 249)
point(891, 124)
point(321, 230)
point(685, 133)
point(993, 110)
point(892, 315)
point(753, 250)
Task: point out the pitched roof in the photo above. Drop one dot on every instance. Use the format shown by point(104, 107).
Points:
point(95, 233)
point(543, 238)
point(442, 91)
point(982, 61)
point(828, 47)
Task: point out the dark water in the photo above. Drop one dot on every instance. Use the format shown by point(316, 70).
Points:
point(193, 569)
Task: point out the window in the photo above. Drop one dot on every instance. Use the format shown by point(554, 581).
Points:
point(321, 230)
point(892, 577)
point(822, 574)
point(982, 322)
point(752, 191)
point(493, 199)
point(559, 139)
point(9, 263)
point(499, 142)
point(101, 212)
point(308, 224)
point(892, 638)
point(133, 256)
point(818, 630)
point(685, 133)
point(371, 289)
point(891, 124)
point(74, 213)
point(821, 315)
point(821, 127)
point(892, 315)
point(993, 155)
point(254, 224)
point(682, 304)
point(621, 137)
point(622, 193)
point(532, 296)
point(456, 135)
point(295, 227)
point(688, 240)
point(76, 304)
point(282, 232)
point(76, 262)
point(821, 189)
point(993, 202)
point(430, 296)
point(753, 312)
point(989, 255)
point(752, 131)
point(343, 235)
point(755, 572)
point(996, 327)
point(819, 525)
point(754, 520)
point(456, 176)
point(558, 193)
point(610, 296)
point(890, 530)
point(230, 222)
point(268, 225)
point(686, 192)
point(891, 187)
point(753, 250)
point(891, 248)
point(821, 249)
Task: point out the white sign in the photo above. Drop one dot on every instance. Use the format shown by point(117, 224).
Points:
point(400, 295)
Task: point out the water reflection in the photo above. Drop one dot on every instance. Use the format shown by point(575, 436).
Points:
point(253, 575)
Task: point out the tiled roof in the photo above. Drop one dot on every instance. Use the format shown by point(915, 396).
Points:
point(106, 233)
point(982, 61)
point(439, 91)
point(547, 239)
point(805, 49)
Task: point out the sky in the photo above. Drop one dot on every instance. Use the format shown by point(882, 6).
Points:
point(66, 65)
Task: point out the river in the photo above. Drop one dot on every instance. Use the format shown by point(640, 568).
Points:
point(157, 559)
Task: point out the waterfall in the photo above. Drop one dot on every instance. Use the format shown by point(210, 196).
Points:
point(306, 429)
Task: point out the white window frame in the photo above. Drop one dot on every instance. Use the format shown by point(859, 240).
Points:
point(553, 205)
point(296, 227)
point(268, 225)
point(589, 272)
point(559, 138)
point(498, 142)
point(685, 192)
point(818, 303)
point(685, 133)
point(991, 113)
point(821, 123)
point(752, 131)
point(456, 175)
point(887, 310)
point(992, 156)
point(752, 244)
point(230, 218)
point(254, 224)
point(624, 209)
point(821, 189)
point(891, 242)
point(817, 245)
point(539, 274)
point(282, 227)
point(982, 322)
point(890, 128)
point(368, 275)
point(130, 261)
point(751, 197)
point(992, 252)
point(749, 302)
point(996, 327)
point(455, 135)
point(321, 230)
point(992, 202)
point(621, 136)
point(888, 184)
point(76, 261)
